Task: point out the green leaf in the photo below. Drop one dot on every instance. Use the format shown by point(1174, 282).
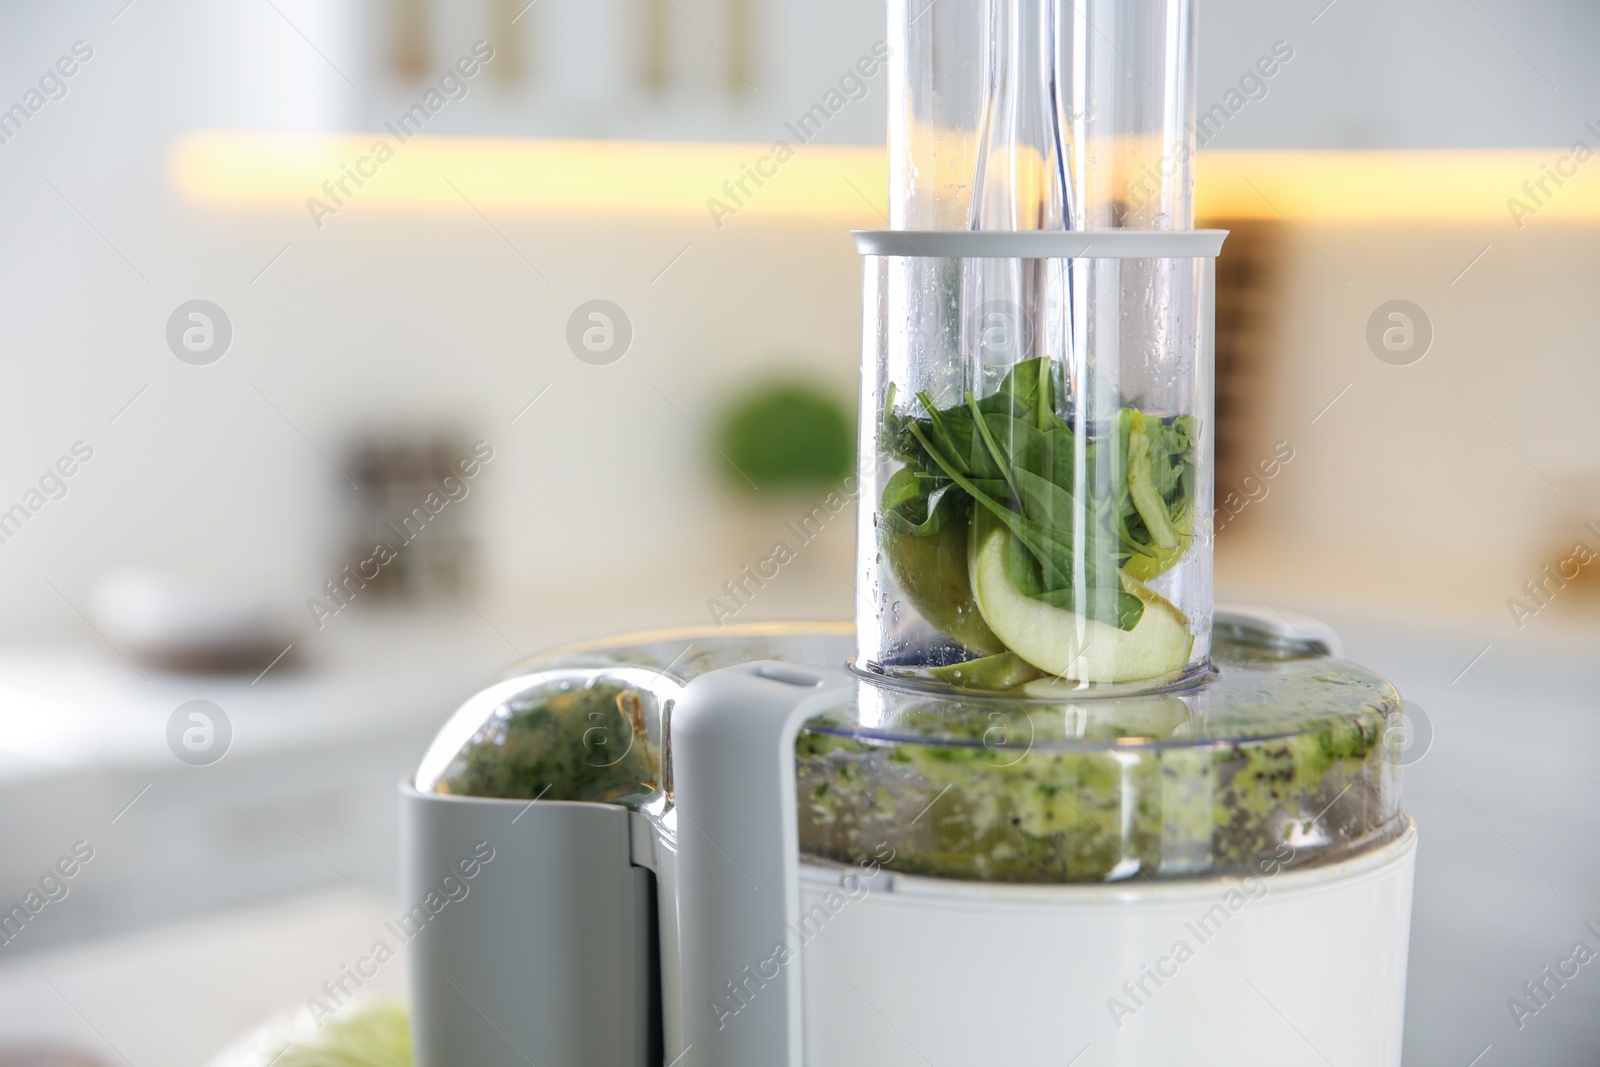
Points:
point(925, 516)
point(1062, 517)
point(902, 488)
point(1052, 454)
point(959, 440)
point(1142, 484)
point(1080, 509)
point(1017, 440)
point(999, 458)
point(1027, 391)
point(1097, 599)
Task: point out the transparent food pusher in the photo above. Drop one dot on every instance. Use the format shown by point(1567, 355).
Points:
point(1040, 804)
point(1036, 377)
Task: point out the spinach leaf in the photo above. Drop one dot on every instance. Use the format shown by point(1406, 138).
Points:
point(1093, 600)
point(1079, 509)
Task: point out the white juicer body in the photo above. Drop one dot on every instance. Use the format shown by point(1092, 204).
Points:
point(1300, 967)
point(1280, 966)
point(759, 960)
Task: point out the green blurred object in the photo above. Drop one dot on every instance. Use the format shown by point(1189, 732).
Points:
point(369, 1035)
point(787, 434)
point(366, 1033)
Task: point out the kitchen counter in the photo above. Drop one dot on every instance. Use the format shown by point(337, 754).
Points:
point(175, 996)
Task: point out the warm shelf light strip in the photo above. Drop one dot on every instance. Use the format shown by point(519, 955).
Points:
point(717, 180)
point(298, 171)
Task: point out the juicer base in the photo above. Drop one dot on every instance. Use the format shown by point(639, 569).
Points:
point(1293, 967)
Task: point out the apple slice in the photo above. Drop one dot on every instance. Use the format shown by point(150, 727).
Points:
point(1069, 645)
point(932, 572)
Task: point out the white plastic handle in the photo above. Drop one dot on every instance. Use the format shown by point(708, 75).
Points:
point(733, 735)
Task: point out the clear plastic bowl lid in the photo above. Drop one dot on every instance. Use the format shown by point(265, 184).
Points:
point(1284, 756)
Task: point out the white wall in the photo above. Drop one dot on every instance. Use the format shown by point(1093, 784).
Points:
point(383, 318)
point(380, 320)
point(1366, 73)
point(1419, 74)
point(1447, 483)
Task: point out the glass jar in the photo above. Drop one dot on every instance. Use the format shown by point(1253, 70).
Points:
point(1036, 386)
point(1036, 442)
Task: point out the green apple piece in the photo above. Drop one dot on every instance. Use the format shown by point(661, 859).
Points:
point(1151, 716)
point(1144, 568)
point(1068, 645)
point(932, 572)
point(1005, 671)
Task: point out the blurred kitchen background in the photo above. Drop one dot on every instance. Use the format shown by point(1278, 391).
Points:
point(378, 318)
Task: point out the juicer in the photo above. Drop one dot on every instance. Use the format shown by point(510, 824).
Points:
point(1041, 804)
